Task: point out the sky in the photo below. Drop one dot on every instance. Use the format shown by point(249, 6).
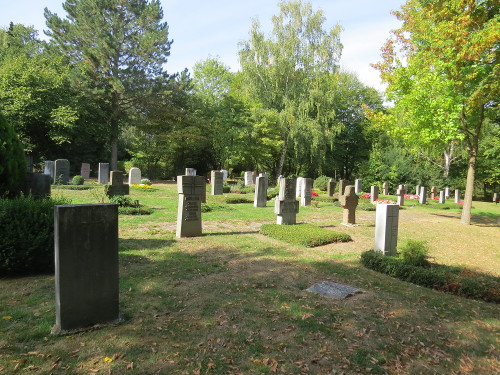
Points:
point(213, 28)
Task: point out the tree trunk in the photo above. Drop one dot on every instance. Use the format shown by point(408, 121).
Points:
point(114, 152)
point(282, 158)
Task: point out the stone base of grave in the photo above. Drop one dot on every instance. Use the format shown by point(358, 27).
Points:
point(112, 190)
point(57, 331)
point(349, 224)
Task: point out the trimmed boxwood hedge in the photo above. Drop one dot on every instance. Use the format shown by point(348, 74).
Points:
point(454, 280)
point(307, 235)
point(27, 235)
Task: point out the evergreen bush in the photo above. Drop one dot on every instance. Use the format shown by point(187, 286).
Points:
point(12, 160)
point(27, 244)
point(77, 180)
point(321, 183)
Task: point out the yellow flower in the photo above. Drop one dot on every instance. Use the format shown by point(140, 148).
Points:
point(108, 360)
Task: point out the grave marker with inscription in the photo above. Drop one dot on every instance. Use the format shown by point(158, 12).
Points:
point(217, 182)
point(116, 186)
point(358, 186)
point(85, 171)
point(190, 189)
point(298, 187)
point(423, 195)
point(442, 197)
point(103, 173)
point(248, 178)
point(386, 228)
point(286, 205)
point(349, 201)
point(61, 171)
point(373, 194)
point(330, 189)
point(134, 176)
point(260, 198)
point(306, 193)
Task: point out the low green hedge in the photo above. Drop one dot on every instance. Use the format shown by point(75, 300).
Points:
point(75, 187)
point(231, 200)
point(454, 280)
point(215, 206)
point(307, 235)
point(325, 198)
point(141, 210)
point(27, 235)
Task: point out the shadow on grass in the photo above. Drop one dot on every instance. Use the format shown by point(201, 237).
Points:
point(127, 244)
point(482, 219)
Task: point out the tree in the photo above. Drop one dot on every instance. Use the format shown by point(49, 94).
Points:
point(442, 70)
point(286, 73)
point(12, 161)
point(117, 48)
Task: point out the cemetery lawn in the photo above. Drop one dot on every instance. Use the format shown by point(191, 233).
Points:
point(234, 302)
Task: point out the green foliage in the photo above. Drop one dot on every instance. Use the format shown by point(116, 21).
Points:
point(272, 193)
point(307, 235)
point(323, 198)
point(366, 206)
point(145, 181)
point(77, 180)
point(121, 200)
point(27, 244)
point(444, 278)
point(127, 210)
point(226, 188)
point(12, 161)
point(321, 183)
point(234, 200)
point(215, 206)
point(415, 252)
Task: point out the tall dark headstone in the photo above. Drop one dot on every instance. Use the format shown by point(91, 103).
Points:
point(330, 189)
point(103, 173)
point(190, 189)
point(260, 198)
point(86, 265)
point(85, 171)
point(373, 193)
point(37, 185)
point(61, 171)
point(286, 205)
point(342, 185)
point(48, 169)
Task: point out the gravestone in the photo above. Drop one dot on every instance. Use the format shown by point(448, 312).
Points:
point(496, 197)
point(373, 194)
point(254, 177)
point(190, 172)
point(423, 195)
point(61, 171)
point(417, 190)
point(85, 171)
point(306, 193)
point(224, 174)
point(333, 290)
point(103, 173)
point(248, 178)
point(86, 265)
point(349, 201)
point(190, 189)
point(358, 186)
point(342, 185)
point(286, 205)
point(400, 192)
point(48, 168)
point(447, 192)
point(298, 188)
point(433, 192)
point(134, 176)
point(116, 186)
point(385, 188)
point(386, 228)
point(217, 180)
point(260, 199)
point(330, 188)
point(457, 195)
point(37, 185)
point(442, 197)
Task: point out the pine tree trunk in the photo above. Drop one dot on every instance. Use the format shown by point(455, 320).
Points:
point(282, 158)
point(469, 189)
point(114, 153)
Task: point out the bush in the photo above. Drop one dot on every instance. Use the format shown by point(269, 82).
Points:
point(307, 235)
point(321, 183)
point(366, 207)
point(77, 180)
point(215, 206)
point(272, 193)
point(128, 210)
point(121, 200)
point(415, 253)
point(145, 181)
point(231, 200)
point(226, 188)
point(452, 280)
point(12, 161)
point(27, 244)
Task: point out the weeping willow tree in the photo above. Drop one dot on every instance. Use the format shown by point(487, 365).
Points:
point(290, 72)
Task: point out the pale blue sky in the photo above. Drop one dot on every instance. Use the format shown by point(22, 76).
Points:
point(202, 28)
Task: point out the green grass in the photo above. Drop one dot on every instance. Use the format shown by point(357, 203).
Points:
point(233, 301)
point(307, 235)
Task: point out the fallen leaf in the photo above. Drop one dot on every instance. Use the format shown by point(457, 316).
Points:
point(6, 317)
point(130, 366)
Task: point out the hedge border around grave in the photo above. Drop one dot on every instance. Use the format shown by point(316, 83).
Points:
point(453, 280)
point(304, 234)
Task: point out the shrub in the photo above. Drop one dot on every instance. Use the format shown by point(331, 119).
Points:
point(77, 180)
point(323, 198)
point(321, 183)
point(226, 188)
point(272, 193)
point(121, 200)
point(12, 160)
point(231, 200)
point(27, 244)
point(128, 210)
point(415, 253)
point(366, 207)
point(145, 181)
point(452, 280)
point(215, 206)
point(303, 234)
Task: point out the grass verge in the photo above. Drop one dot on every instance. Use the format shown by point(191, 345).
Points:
point(307, 235)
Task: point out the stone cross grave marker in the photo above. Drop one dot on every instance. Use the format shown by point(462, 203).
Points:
point(298, 188)
point(286, 205)
point(330, 189)
point(433, 192)
point(442, 197)
point(61, 171)
point(260, 198)
point(86, 265)
point(134, 176)
point(116, 186)
point(423, 195)
point(400, 192)
point(385, 188)
point(358, 186)
point(306, 193)
point(386, 228)
point(48, 168)
point(217, 182)
point(103, 173)
point(373, 194)
point(190, 190)
point(342, 184)
point(349, 201)
point(457, 195)
point(85, 171)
